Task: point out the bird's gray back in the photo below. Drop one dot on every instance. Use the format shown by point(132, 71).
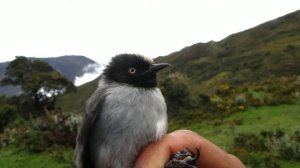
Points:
point(129, 118)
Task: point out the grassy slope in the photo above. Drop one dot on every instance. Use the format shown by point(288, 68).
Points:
point(269, 49)
point(251, 55)
point(254, 120)
point(74, 102)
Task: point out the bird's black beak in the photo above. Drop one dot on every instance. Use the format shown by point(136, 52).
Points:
point(157, 67)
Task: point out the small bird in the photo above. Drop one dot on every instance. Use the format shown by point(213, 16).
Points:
point(126, 112)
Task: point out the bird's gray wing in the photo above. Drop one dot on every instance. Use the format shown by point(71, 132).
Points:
point(92, 109)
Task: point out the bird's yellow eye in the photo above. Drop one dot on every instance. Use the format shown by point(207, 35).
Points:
point(132, 70)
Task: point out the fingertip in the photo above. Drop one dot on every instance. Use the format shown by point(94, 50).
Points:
point(181, 139)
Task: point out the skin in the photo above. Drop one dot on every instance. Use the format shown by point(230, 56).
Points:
point(157, 154)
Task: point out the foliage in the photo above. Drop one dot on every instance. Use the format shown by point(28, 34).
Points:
point(175, 88)
point(264, 149)
point(39, 81)
point(8, 113)
point(286, 146)
point(43, 132)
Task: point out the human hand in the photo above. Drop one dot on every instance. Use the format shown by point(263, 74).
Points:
point(157, 154)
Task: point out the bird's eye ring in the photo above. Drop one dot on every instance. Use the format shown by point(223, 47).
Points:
point(132, 70)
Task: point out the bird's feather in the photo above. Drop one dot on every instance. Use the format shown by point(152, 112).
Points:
point(92, 110)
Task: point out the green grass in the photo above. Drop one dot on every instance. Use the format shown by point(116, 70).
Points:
point(287, 164)
point(14, 158)
point(254, 120)
point(285, 117)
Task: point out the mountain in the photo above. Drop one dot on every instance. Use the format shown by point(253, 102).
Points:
point(265, 51)
point(270, 49)
point(71, 66)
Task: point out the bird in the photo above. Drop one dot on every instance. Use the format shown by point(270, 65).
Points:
point(126, 112)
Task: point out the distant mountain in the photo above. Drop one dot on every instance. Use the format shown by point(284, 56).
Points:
point(71, 66)
point(269, 50)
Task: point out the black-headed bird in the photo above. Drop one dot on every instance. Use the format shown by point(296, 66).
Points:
point(126, 112)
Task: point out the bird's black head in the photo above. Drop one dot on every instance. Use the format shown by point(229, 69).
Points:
point(133, 69)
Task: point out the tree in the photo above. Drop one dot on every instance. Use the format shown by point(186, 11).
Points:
point(39, 81)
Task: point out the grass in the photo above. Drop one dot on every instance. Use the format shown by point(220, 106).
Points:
point(287, 164)
point(285, 117)
point(254, 120)
point(13, 158)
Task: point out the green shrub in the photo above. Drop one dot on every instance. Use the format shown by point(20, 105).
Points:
point(177, 92)
point(251, 142)
point(286, 146)
point(39, 134)
point(266, 148)
point(8, 113)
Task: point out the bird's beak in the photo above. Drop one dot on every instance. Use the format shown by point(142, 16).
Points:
point(157, 67)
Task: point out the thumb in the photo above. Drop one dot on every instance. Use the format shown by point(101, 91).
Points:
point(157, 154)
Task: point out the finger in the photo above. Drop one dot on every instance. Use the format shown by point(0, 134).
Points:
point(157, 154)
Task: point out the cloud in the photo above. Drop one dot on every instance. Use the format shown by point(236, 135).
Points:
point(91, 72)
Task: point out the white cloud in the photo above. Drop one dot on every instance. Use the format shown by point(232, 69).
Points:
point(92, 71)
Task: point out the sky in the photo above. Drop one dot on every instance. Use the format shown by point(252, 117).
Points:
point(100, 29)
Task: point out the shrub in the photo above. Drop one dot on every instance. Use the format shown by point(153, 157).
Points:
point(41, 133)
point(8, 113)
point(286, 146)
point(176, 89)
point(251, 142)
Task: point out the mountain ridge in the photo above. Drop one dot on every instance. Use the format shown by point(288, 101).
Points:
point(265, 51)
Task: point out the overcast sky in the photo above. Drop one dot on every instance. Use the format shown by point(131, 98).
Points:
point(100, 29)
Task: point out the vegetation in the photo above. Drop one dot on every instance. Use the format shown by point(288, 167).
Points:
point(270, 49)
point(30, 124)
point(40, 83)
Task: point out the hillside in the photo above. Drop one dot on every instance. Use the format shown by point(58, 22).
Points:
point(70, 66)
point(270, 49)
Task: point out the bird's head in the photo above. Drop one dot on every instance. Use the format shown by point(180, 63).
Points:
point(134, 70)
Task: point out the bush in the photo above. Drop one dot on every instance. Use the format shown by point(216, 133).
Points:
point(41, 133)
point(8, 113)
point(264, 149)
point(253, 151)
point(176, 90)
point(34, 141)
point(286, 146)
point(251, 142)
